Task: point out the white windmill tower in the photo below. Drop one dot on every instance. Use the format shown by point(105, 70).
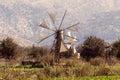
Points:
point(71, 44)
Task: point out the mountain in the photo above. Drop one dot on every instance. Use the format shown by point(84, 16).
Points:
point(20, 41)
point(106, 25)
point(21, 18)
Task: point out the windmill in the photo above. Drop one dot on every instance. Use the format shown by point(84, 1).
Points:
point(59, 35)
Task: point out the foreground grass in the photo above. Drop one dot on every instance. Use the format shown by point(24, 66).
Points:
point(66, 70)
point(23, 77)
point(87, 78)
point(91, 78)
point(100, 78)
point(36, 74)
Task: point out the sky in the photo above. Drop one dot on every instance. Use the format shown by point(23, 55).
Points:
point(96, 17)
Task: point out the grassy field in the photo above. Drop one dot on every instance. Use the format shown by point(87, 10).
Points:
point(66, 70)
point(13, 73)
point(91, 78)
point(34, 74)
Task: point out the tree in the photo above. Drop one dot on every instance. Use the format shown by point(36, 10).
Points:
point(8, 48)
point(116, 48)
point(92, 47)
point(38, 52)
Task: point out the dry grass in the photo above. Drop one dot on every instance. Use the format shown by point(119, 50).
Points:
point(97, 61)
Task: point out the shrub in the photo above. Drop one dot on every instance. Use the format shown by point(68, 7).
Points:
point(68, 71)
point(97, 61)
point(37, 65)
point(69, 63)
point(92, 47)
point(41, 76)
point(38, 52)
point(29, 64)
point(85, 70)
point(113, 61)
point(103, 71)
point(47, 71)
point(57, 71)
point(47, 60)
point(9, 48)
point(116, 48)
point(77, 72)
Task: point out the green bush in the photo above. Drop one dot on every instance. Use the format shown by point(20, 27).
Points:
point(116, 48)
point(92, 47)
point(37, 52)
point(9, 48)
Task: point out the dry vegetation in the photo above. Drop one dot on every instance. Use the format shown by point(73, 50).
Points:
point(35, 63)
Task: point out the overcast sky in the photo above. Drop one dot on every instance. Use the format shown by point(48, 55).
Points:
point(22, 17)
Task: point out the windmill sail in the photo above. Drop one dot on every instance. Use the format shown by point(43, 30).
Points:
point(71, 39)
point(63, 48)
point(42, 36)
point(45, 37)
point(73, 27)
point(44, 24)
point(52, 17)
